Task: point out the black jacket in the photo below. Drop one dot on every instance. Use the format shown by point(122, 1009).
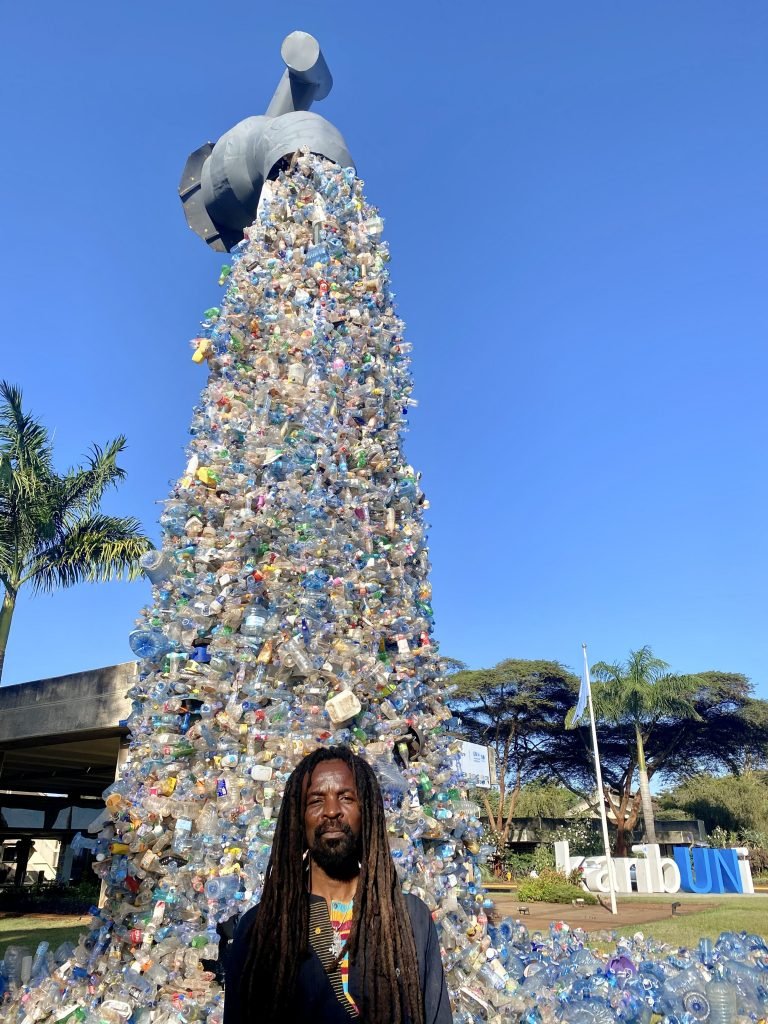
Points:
point(315, 1000)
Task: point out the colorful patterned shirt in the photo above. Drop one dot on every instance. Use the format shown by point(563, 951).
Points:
point(323, 931)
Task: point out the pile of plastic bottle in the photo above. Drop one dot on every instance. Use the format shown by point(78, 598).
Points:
point(508, 976)
point(291, 608)
point(556, 977)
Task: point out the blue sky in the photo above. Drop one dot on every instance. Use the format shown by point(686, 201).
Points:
point(575, 198)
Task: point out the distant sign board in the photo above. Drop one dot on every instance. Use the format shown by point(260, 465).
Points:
point(476, 762)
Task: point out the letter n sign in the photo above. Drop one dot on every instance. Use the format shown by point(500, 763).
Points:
point(714, 870)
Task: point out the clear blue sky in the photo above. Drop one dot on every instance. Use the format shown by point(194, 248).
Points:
point(575, 197)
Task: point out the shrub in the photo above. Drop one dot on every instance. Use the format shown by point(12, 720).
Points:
point(583, 836)
point(552, 887)
point(721, 838)
point(504, 859)
point(544, 859)
point(51, 898)
point(755, 841)
point(519, 864)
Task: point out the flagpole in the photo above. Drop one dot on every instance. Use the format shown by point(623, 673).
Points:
point(600, 794)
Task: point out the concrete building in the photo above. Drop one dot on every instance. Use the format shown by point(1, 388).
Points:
point(60, 744)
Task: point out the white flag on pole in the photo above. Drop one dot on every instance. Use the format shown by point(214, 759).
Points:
point(581, 705)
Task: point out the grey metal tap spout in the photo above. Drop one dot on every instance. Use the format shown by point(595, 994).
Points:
point(221, 182)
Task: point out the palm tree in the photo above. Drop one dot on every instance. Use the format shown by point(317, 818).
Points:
point(640, 693)
point(52, 532)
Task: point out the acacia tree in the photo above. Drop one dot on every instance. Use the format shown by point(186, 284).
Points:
point(513, 708)
point(52, 532)
point(730, 733)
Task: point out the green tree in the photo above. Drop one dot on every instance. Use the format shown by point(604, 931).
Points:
point(52, 531)
point(544, 799)
point(735, 803)
point(641, 693)
point(513, 708)
point(537, 799)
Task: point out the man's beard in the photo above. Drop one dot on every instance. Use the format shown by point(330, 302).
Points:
point(339, 857)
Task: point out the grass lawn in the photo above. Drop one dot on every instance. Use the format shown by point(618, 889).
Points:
point(731, 915)
point(31, 929)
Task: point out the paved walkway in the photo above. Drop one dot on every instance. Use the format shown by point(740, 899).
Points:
point(631, 910)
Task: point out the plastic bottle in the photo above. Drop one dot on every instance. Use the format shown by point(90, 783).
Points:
point(254, 621)
point(722, 1000)
point(706, 951)
point(222, 888)
point(589, 1013)
point(684, 992)
point(157, 565)
point(40, 961)
point(149, 644)
point(12, 959)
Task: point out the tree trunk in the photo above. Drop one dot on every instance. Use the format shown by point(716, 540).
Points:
point(512, 805)
point(499, 823)
point(620, 847)
point(645, 791)
point(489, 811)
point(6, 614)
point(625, 819)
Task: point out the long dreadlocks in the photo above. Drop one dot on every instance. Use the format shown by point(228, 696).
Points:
point(381, 939)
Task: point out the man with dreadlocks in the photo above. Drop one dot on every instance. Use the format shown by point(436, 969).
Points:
point(333, 938)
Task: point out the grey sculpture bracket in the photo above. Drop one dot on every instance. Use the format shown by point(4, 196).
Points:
point(222, 181)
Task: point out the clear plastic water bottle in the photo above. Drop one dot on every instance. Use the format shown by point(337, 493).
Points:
point(684, 992)
point(594, 1012)
point(706, 951)
point(149, 644)
point(40, 961)
point(12, 959)
point(255, 621)
point(722, 999)
point(157, 565)
point(222, 888)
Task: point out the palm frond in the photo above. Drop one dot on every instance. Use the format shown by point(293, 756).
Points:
point(7, 552)
point(98, 548)
point(606, 671)
point(82, 489)
point(24, 443)
point(673, 695)
point(642, 691)
point(644, 667)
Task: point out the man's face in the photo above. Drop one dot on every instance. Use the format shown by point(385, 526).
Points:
point(332, 820)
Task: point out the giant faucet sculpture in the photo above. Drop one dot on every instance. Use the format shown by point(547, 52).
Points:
point(291, 601)
point(222, 181)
